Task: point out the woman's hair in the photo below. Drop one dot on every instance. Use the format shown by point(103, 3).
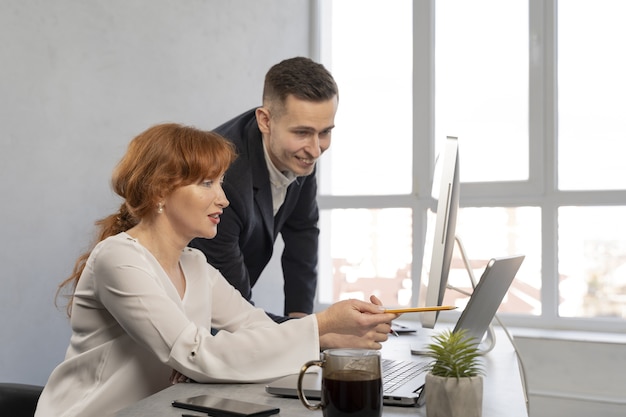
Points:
point(158, 161)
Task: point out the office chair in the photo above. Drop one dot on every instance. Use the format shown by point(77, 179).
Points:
point(19, 400)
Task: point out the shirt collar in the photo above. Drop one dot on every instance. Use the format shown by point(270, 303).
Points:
point(277, 178)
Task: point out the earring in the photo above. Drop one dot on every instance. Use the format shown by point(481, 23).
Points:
point(160, 208)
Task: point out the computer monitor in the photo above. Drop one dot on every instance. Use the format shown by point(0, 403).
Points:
point(444, 234)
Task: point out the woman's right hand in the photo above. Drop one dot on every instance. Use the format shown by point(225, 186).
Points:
point(354, 323)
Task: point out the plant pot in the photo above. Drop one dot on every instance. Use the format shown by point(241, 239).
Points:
point(454, 397)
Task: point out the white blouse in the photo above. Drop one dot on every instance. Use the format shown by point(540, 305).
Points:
point(130, 328)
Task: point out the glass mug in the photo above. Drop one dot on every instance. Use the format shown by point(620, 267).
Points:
point(351, 383)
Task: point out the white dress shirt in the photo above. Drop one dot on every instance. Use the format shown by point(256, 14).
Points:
point(279, 180)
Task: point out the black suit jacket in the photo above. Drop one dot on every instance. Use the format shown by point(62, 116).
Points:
point(248, 229)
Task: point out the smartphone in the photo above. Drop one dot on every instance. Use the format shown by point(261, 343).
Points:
point(401, 328)
point(224, 407)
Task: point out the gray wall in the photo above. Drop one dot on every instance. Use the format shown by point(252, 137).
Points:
point(78, 80)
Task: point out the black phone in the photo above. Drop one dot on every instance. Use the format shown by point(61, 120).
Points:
point(225, 407)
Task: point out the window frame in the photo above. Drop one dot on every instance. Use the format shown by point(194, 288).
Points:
point(540, 190)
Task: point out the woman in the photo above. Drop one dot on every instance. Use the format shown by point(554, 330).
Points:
point(143, 303)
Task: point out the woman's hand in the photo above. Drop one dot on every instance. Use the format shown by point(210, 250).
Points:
point(354, 323)
point(177, 377)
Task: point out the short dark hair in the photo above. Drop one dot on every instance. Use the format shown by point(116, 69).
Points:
point(301, 77)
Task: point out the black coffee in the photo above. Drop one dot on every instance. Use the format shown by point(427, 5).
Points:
point(352, 393)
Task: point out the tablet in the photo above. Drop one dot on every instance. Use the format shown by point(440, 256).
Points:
point(225, 407)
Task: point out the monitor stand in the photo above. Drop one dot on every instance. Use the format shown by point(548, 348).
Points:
point(489, 341)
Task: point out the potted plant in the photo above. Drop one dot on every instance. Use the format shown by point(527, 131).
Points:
point(454, 384)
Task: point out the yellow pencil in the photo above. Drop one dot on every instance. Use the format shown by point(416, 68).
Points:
point(418, 309)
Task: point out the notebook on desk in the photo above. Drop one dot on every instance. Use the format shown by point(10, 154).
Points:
point(403, 380)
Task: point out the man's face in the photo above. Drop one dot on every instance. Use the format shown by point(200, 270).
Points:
point(297, 136)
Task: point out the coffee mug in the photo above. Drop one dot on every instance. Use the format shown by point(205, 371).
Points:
point(351, 383)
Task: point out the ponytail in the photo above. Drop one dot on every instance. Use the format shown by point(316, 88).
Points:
point(108, 226)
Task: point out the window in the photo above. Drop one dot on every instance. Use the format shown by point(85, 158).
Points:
point(591, 87)
point(375, 112)
point(370, 248)
point(481, 78)
point(537, 104)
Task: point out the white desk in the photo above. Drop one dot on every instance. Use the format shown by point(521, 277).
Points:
point(502, 391)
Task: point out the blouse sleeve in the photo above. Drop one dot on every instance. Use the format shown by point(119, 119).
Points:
point(250, 347)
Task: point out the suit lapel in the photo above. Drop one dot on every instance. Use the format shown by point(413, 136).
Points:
point(261, 181)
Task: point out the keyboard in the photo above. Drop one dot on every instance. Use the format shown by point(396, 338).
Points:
point(396, 373)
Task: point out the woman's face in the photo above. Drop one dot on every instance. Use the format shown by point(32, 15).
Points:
point(194, 210)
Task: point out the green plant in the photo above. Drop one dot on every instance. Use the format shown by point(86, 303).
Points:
point(455, 354)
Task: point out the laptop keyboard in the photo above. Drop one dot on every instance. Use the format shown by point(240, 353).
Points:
point(396, 373)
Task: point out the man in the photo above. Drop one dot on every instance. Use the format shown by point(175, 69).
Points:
point(272, 185)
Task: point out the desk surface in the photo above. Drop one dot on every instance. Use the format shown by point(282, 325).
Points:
point(502, 390)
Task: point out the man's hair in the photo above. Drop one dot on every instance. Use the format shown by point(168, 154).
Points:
point(301, 77)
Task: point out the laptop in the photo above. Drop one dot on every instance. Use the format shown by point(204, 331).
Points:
point(403, 380)
point(482, 305)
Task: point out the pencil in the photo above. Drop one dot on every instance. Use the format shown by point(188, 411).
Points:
point(418, 309)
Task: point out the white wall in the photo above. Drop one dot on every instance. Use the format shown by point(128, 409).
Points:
point(79, 79)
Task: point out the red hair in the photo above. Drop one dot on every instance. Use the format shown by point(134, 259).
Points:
point(158, 161)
